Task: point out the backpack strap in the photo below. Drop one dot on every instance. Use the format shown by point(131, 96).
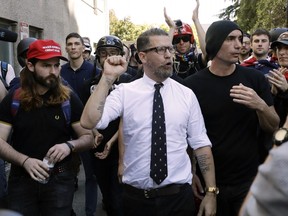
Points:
point(15, 102)
point(4, 70)
point(66, 106)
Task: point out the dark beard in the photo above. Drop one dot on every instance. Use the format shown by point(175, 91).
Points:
point(50, 82)
point(162, 72)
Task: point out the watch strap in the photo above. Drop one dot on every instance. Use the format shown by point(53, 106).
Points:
point(71, 146)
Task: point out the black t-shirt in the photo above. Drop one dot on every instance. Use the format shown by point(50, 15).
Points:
point(113, 126)
point(186, 66)
point(231, 127)
point(35, 131)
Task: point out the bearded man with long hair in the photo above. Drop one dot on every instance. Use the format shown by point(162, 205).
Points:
point(44, 115)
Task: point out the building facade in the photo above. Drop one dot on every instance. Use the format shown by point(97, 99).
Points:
point(51, 19)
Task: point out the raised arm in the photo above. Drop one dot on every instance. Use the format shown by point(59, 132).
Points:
point(114, 66)
point(170, 23)
point(200, 31)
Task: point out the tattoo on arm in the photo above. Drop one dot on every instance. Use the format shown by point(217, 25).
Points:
point(100, 109)
point(109, 82)
point(203, 163)
point(194, 162)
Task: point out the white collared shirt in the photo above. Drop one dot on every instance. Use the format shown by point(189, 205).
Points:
point(184, 124)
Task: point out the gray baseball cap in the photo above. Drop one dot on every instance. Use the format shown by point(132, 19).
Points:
point(282, 40)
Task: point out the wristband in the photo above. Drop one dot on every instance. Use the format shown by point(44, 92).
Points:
point(71, 146)
point(25, 161)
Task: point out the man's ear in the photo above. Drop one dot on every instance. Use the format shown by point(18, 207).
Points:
point(30, 66)
point(137, 58)
point(141, 57)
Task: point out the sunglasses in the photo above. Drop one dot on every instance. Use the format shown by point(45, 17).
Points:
point(184, 38)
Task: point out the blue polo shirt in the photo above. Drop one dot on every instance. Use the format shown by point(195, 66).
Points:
point(76, 79)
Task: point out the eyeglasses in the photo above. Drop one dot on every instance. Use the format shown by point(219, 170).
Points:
point(161, 50)
point(105, 53)
point(246, 43)
point(184, 38)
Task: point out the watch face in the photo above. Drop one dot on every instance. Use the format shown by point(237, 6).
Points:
point(280, 134)
point(214, 190)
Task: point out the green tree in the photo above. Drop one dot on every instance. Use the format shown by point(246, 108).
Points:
point(230, 13)
point(252, 14)
point(246, 15)
point(270, 15)
point(125, 29)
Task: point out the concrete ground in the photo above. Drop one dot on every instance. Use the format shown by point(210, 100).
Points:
point(79, 198)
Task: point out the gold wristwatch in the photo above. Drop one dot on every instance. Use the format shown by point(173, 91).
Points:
point(280, 136)
point(214, 190)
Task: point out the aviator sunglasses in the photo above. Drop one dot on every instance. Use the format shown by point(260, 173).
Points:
point(184, 38)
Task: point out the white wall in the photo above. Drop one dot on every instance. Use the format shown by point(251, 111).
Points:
point(57, 18)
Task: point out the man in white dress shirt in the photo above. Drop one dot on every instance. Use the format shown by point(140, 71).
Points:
point(184, 125)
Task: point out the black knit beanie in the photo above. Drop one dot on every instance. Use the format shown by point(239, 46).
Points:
point(216, 34)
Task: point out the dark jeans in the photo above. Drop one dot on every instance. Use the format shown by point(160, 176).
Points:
point(30, 197)
point(180, 204)
point(230, 198)
point(3, 182)
point(91, 185)
point(107, 176)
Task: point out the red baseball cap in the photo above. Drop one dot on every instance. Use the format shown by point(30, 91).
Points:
point(45, 49)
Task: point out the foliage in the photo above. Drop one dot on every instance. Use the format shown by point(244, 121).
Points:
point(249, 14)
point(253, 14)
point(230, 12)
point(246, 18)
point(271, 15)
point(125, 29)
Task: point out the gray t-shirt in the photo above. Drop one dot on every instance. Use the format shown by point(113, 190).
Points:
point(269, 191)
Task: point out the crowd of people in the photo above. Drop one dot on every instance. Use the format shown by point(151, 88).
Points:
point(159, 127)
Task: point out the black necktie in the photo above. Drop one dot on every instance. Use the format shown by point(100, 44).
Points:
point(158, 166)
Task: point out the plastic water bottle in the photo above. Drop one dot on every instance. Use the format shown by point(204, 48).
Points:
point(51, 166)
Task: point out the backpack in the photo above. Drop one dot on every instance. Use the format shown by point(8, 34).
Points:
point(66, 106)
point(4, 70)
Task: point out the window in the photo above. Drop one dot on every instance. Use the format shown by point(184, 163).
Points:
point(35, 32)
point(6, 48)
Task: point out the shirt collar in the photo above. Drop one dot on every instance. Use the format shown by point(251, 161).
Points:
point(151, 82)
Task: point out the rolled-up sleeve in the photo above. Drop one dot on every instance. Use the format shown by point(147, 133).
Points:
point(196, 133)
point(113, 107)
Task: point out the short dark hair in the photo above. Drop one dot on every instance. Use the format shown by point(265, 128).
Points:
point(75, 35)
point(245, 34)
point(261, 31)
point(143, 41)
